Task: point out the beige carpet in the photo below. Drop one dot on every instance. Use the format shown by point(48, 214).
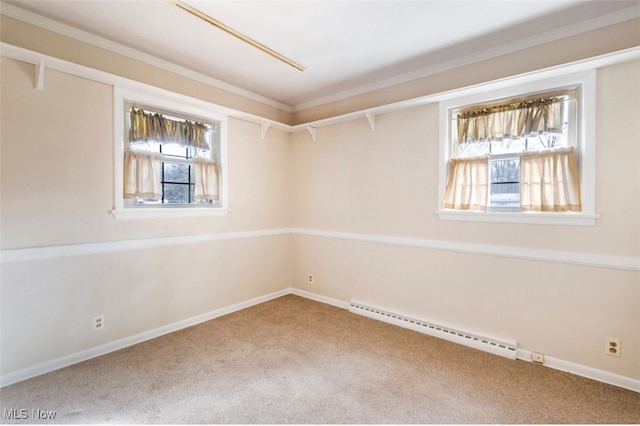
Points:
point(292, 360)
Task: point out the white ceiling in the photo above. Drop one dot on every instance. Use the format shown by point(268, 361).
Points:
point(346, 46)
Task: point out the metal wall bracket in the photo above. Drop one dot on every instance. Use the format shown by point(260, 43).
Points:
point(40, 75)
point(372, 120)
point(312, 132)
point(263, 129)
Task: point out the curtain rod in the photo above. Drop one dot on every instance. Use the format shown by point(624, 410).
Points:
point(518, 102)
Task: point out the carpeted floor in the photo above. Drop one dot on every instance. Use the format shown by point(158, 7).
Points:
point(292, 360)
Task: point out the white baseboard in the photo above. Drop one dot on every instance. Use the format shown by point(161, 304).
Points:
point(319, 298)
point(65, 361)
point(584, 371)
point(521, 354)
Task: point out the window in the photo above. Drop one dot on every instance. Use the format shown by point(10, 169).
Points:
point(520, 156)
point(492, 137)
point(170, 157)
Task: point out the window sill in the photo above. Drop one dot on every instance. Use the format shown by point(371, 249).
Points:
point(159, 213)
point(538, 218)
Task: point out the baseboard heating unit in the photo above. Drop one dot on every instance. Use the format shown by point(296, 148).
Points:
point(487, 344)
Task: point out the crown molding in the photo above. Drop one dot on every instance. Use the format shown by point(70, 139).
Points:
point(506, 48)
point(94, 40)
point(559, 70)
point(477, 56)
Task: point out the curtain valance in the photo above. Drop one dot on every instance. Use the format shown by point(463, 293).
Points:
point(512, 120)
point(148, 127)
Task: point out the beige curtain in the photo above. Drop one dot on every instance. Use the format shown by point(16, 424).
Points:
point(142, 175)
point(511, 121)
point(147, 127)
point(468, 184)
point(206, 185)
point(550, 181)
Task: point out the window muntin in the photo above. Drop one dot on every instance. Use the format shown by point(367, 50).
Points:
point(177, 178)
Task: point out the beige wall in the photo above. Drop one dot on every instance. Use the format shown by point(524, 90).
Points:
point(57, 189)
point(48, 305)
point(563, 311)
point(56, 184)
point(386, 182)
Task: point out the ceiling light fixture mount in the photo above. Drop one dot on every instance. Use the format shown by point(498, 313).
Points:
point(235, 33)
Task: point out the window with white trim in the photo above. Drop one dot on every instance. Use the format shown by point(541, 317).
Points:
point(521, 157)
point(170, 156)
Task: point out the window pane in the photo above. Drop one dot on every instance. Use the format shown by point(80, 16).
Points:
point(504, 195)
point(176, 193)
point(146, 146)
point(174, 150)
point(505, 183)
point(473, 149)
point(505, 170)
point(508, 146)
point(176, 172)
point(199, 153)
point(546, 141)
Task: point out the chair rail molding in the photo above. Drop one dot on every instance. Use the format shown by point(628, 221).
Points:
point(543, 255)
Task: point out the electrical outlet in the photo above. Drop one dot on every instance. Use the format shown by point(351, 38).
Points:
point(612, 347)
point(98, 322)
point(309, 279)
point(537, 358)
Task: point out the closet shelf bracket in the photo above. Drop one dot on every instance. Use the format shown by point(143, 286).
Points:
point(263, 129)
point(372, 120)
point(40, 75)
point(312, 132)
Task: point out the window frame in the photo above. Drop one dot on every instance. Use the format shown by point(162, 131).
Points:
point(162, 100)
point(585, 82)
